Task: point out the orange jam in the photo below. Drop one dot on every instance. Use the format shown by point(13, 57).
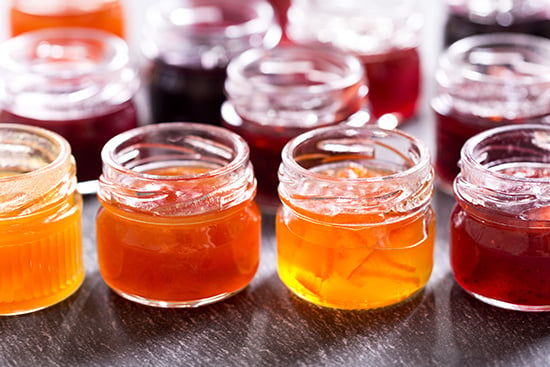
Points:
point(178, 260)
point(31, 15)
point(370, 261)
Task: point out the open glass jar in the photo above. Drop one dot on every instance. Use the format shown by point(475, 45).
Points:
point(500, 227)
point(77, 82)
point(41, 243)
point(187, 45)
point(356, 229)
point(483, 82)
point(275, 95)
point(178, 225)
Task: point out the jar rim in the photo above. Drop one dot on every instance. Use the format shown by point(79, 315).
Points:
point(422, 163)
point(468, 151)
point(115, 56)
point(354, 72)
point(62, 145)
point(454, 55)
point(241, 150)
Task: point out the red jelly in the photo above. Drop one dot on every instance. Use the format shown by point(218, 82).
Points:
point(483, 82)
point(188, 46)
point(500, 227)
point(467, 18)
point(76, 82)
point(384, 34)
point(275, 95)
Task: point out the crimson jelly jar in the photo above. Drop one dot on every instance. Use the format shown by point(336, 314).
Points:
point(485, 81)
point(500, 227)
point(467, 18)
point(74, 81)
point(187, 45)
point(275, 95)
point(384, 34)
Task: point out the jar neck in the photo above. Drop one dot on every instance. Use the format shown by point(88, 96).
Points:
point(394, 176)
point(496, 76)
point(295, 87)
point(207, 34)
point(176, 169)
point(505, 171)
point(362, 27)
point(65, 73)
point(37, 170)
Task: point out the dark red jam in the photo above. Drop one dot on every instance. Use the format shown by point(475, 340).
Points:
point(86, 135)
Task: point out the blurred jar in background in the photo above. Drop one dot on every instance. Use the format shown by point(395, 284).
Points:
point(187, 45)
point(385, 35)
point(28, 15)
point(470, 17)
point(485, 81)
point(275, 95)
point(77, 82)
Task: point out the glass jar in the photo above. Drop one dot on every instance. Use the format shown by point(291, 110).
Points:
point(74, 81)
point(178, 225)
point(469, 17)
point(500, 227)
point(486, 81)
point(384, 34)
point(41, 243)
point(275, 95)
point(187, 45)
point(356, 228)
point(30, 15)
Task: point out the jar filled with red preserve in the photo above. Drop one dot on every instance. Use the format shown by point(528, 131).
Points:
point(30, 15)
point(467, 18)
point(187, 45)
point(275, 95)
point(384, 34)
point(500, 227)
point(486, 81)
point(77, 82)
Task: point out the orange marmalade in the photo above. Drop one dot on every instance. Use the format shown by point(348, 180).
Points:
point(178, 225)
point(355, 230)
point(41, 247)
point(29, 15)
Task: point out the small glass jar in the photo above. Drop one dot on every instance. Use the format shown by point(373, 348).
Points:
point(30, 15)
point(187, 45)
point(483, 82)
point(74, 81)
point(41, 243)
point(469, 17)
point(384, 34)
point(500, 227)
point(178, 225)
point(356, 228)
point(275, 95)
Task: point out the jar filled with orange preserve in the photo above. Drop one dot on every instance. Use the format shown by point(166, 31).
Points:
point(356, 228)
point(41, 240)
point(29, 15)
point(178, 225)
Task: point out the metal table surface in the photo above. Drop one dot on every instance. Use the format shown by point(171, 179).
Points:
point(266, 325)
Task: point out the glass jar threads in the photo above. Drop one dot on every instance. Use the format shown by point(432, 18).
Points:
point(274, 95)
point(466, 18)
point(74, 81)
point(178, 225)
point(187, 45)
point(483, 82)
point(356, 229)
point(500, 227)
point(41, 243)
point(30, 15)
point(385, 35)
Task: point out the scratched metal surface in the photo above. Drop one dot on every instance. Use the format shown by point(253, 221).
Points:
point(267, 326)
